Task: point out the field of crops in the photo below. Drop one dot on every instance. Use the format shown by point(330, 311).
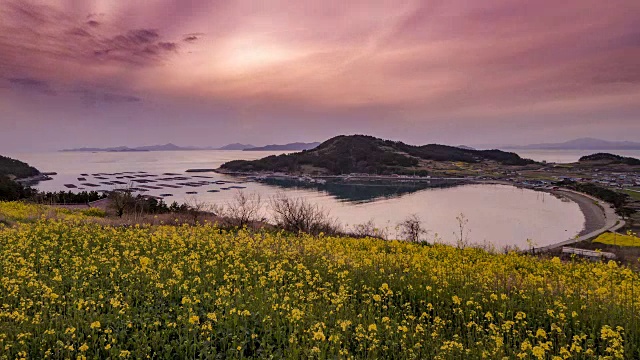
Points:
point(70, 288)
point(618, 239)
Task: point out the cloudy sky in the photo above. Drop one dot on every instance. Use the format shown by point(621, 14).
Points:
point(210, 72)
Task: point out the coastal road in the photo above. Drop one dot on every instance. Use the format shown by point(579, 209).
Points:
point(599, 217)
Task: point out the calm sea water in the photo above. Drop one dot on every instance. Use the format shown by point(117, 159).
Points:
point(497, 215)
point(569, 156)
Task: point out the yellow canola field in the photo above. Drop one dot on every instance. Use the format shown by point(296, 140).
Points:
point(618, 239)
point(74, 289)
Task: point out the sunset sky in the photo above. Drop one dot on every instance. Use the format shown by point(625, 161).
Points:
point(110, 72)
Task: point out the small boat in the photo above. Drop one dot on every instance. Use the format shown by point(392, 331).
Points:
point(70, 186)
point(213, 191)
point(165, 195)
point(192, 192)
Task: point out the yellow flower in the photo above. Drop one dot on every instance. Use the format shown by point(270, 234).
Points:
point(84, 347)
point(541, 333)
point(318, 335)
point(538, 352)
point(95, 325)
point(212, 317)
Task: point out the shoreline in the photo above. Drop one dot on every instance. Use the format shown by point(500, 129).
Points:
point(599, 217)
point(594, 214)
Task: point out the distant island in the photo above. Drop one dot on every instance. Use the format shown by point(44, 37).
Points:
point(172, 147)
point(370, 155)
point(609, 159)
point(581, 144)
point(297, 146)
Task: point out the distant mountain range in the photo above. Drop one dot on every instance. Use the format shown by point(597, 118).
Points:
point(165, 147)
point(236, 146)
point(297, 146)
point(172, 147)
point(581, 144)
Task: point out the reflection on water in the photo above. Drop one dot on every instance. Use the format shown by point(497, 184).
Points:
point(362, 191)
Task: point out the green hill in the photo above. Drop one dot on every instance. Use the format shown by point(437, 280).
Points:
point(610, 159)
point(15, 168)
point(367, 154)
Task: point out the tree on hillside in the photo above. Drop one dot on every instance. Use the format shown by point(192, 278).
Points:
point(242, 210)
point(11, 190)
point(411, 229)
point(299, 215)
point(120, 199)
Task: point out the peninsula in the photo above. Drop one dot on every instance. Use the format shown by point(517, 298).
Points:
point(370, 155)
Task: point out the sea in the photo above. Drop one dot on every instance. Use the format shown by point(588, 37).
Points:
point(494, 216)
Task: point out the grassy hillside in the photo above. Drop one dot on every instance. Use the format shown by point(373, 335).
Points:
point(618, 239)
point(367, 154)
point(16, 168)
point(71, 288)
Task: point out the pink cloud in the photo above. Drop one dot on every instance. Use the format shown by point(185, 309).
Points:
point(442, 58)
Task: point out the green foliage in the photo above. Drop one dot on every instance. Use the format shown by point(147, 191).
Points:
point(66, 197)
point(611, 158)
point(94, 212)
point(17, 168)
point(617, 199)
point(11, 190)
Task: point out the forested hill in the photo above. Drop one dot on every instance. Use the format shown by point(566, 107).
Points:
point(610, 159)
point(16, 168)
point(367, 154)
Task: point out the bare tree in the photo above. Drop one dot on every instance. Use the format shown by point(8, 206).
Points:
point(462, 236)
point(369, 229)
point(243, 209)
point(298, 215)
point(411, 229)
point(196, 208)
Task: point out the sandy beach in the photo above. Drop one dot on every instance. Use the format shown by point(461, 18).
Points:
point(594, 215)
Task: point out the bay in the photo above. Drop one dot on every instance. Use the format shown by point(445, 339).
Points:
point(497, 215)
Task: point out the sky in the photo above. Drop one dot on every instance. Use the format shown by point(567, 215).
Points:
point(210, 72)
